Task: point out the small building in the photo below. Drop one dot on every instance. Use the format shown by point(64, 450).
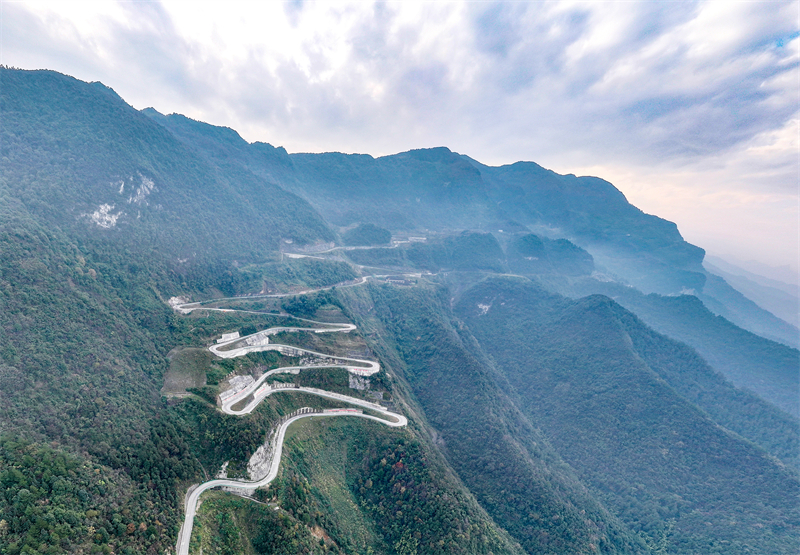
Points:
point(399, 280)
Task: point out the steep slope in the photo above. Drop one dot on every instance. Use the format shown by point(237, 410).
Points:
point(736, 409)
point(663, 465)
point(726, 301)
point(496, 451)
point(748, 360)
point(395, 486)
point(648, 251)
point(353, 487)
point(78, 157)
point(436, 189)
point(106, 212)
point(93, 458)
point(83, 351)
point(419, 189)
point(85, 347)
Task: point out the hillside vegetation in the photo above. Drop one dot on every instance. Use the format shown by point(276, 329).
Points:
point(562, 396)
point(497, 453)
point(651, 455)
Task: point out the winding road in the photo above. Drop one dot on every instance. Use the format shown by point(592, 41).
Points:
point(186, 308)
point(260, 390)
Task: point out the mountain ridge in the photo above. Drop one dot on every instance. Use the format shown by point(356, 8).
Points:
point(538, 425)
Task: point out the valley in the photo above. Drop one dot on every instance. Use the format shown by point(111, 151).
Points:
point(531, 363)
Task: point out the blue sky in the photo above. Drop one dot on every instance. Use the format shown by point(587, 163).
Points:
point(690, 108)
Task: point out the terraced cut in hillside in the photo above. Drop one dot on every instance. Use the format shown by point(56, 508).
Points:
point(246, 394)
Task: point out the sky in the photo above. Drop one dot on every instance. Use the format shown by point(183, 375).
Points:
point(692, 109)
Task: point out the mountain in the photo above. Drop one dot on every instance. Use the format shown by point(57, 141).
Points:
point(724, 300)
point(496, 451)
point(775, 296)
point(572, 376)
point(748, 360)
point(78, 157)
point(626, 421)
point(441, 191)
point(437, 189)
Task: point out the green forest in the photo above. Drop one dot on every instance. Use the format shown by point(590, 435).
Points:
point(566, 392)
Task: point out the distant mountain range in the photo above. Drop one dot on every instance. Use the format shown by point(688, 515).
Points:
point(578, 378)
point(776, 296)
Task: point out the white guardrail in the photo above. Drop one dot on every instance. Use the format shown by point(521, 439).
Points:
point(234, 346)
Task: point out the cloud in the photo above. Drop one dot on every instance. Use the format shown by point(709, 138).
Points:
point(642, 88)
point(740, 204)
point(638, 81)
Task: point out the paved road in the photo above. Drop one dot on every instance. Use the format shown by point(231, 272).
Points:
point(354, 365)
point(261, 393)
point(193, 496)
point(186, 308)
point(310, 254)
point(260, 390)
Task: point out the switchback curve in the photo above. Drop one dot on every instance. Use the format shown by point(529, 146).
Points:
point(260, 390)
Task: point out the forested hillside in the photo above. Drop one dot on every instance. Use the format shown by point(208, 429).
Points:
point(578, 405)
point(498, 454)
point(748, 360)
point(625, 421)
point(78, 157)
